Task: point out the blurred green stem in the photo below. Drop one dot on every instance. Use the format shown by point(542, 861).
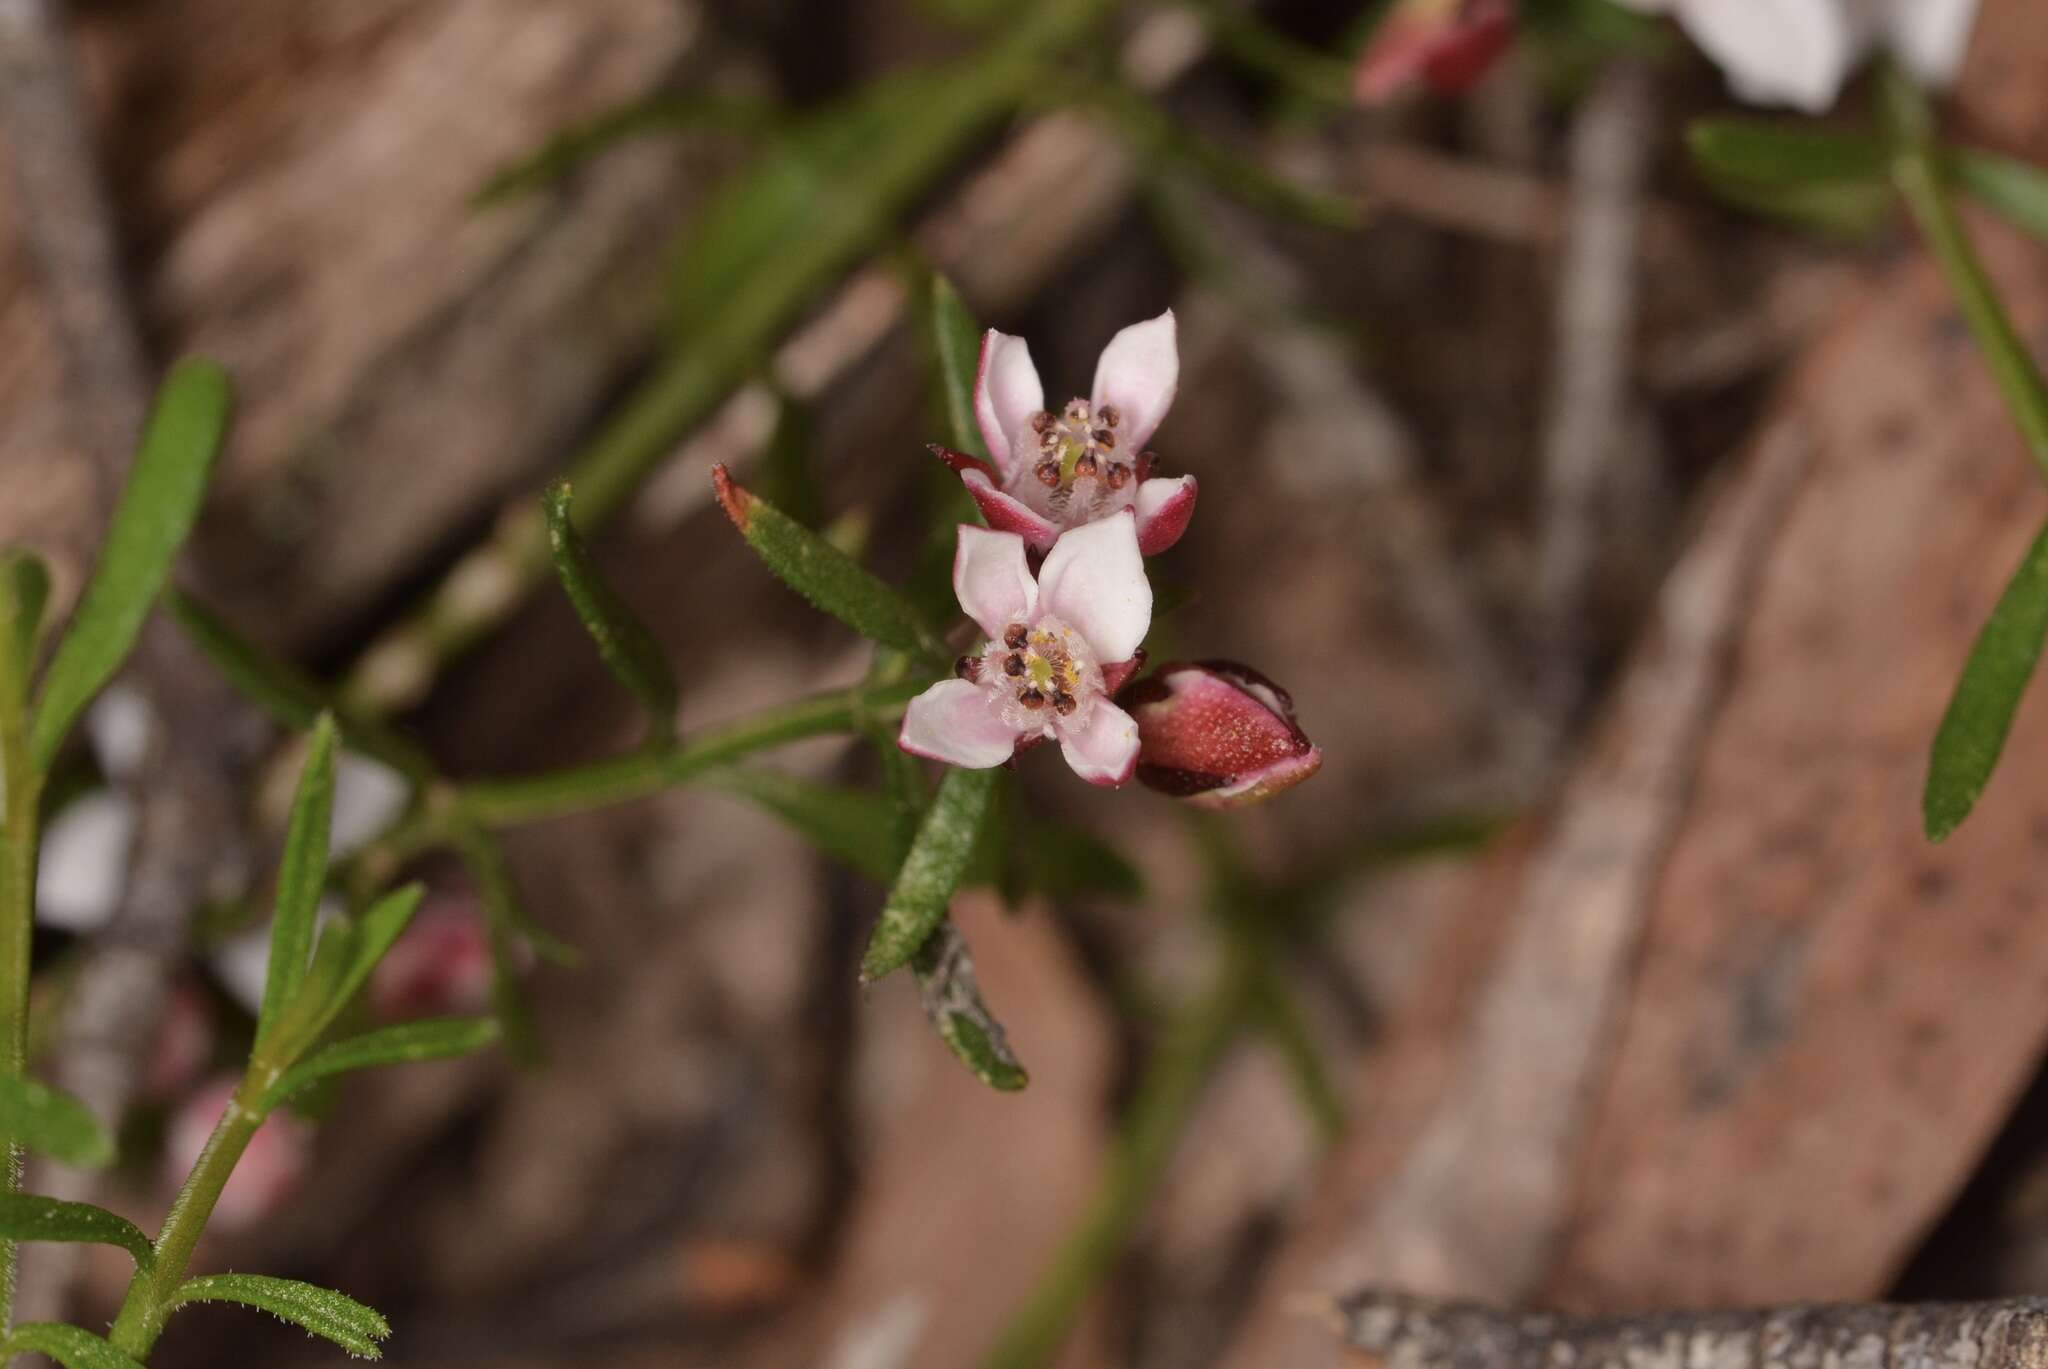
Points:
point(1165, 1100)
point(22, 789)
point(1922, 179)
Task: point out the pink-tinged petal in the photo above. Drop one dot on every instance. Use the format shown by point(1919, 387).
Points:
point(1007, 392)
point(954, 722)
point(1138, 374)
point(1218, 734)
point(1164, 508)
point(1116, 676)
point(1008, 514)
point(992, 579)
point(1093, 580)
point(1104, 749)
point(961, 462)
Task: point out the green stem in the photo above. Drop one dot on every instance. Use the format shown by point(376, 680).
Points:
point(148, 1303)
point(1159, 1113)
point(507, 803)
point(1917, 169)
point(22, 787)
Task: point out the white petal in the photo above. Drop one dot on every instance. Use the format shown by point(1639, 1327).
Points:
point(992, 580)
point(1104, 750)
point(1138, 373)
point(85, 862)
point(1794, 52)
point(1930, 36)
point(1006, 393)
point(954, 722)
point(368, 797)
point(1094, 581)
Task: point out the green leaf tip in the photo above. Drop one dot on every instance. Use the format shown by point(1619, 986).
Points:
point(301, 877)
point(937, 862)
point(1987, 696)
point(631, 652)
point(35, 1217)
point(157, 509)
point(353, 1326)
point(830, 579)
point(52, 1123)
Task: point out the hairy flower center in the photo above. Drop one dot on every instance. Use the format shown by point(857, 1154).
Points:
point(1040, 672)
point(1075, 469)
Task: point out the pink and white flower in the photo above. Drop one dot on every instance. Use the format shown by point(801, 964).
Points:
point(1053, 471)
point(1800, 52)
point(1060, 645)
point(440, 964)
point(1218, 734)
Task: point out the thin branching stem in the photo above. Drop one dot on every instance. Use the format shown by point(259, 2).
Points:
point(1918, 170)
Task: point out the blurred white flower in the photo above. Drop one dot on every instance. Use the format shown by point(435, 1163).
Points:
point(84, 862)
point(1799, 52)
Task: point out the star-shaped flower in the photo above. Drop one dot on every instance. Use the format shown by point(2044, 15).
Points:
point(1050, 472)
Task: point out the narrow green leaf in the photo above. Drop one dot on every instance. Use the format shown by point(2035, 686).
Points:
point(71, 1346)
point(28, 590)
point(300, 878)
point(823, 574)
point(932, 871)
point(667, 111)
point(956, 343)
point(407, 1043)
point(952, 999)
point(322, 1311)
point(856, 827)
point(34, 1217)
point(628, 648)
point(1782, 153)
point(2012, 188)
point(1826, 181)
point(52, 1123)
point(1973, 731)
point(341, 964)
point(155, 514)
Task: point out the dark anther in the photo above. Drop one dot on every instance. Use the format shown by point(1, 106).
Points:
point(1040, 421)
point(1110, 414)
point(967, 667)
point(1086, 465)
point(1104, 439)
point(1065, 703)
point(1013, 664)
point(1014, 635)
point(1048, 473)
point(1119, 475)
point(1031, 698)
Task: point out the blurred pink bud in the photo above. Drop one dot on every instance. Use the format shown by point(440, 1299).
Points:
point(440, 966)
point(1447, 45)
point(269, 1170)
point(1218, 734)
point(183, 1046)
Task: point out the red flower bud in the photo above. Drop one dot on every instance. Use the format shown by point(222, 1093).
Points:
point(1217, 734)
point(1447, 45)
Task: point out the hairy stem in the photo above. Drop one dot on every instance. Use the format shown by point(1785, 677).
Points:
point(148, 1303)
point(21, 791)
